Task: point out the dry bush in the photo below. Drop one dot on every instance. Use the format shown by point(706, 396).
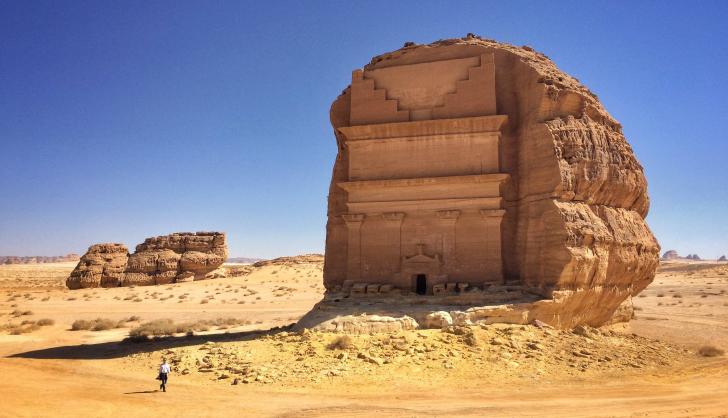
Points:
point(156, 328)
point(204, 301)
point(80, 324)
point(677, 295)
point(710, 351)
point(98, 324)
point(103, 324)
point(45, 322)
point(342, 342)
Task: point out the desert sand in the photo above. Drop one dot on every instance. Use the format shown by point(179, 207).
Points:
point(249, 366)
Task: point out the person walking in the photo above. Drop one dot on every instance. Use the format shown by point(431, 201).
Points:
point(164, 370)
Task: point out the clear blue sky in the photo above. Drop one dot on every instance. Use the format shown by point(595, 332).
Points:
point(122, 119)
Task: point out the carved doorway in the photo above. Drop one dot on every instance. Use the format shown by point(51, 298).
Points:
point(421, 284)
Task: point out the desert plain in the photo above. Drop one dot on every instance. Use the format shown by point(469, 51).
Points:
point(233, 350)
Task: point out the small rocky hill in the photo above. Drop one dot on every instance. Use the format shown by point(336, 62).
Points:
point(178, 257)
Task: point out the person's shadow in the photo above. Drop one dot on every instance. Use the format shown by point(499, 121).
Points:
point(141, 391)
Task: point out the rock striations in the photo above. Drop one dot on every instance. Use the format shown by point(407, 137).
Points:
point(165, 259)
point(572, 195)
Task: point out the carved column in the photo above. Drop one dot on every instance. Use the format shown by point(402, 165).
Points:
point(394, 230)
point(353, 262)
point(493, 219)
point(448, 219)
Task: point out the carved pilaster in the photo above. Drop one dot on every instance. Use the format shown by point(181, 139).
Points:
point(394, 224)
point(353, 225)
point(448, 219)
point(493, 219)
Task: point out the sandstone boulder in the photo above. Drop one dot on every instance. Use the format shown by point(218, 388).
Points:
point(158, 260)
point(439, 319)
point(102, 265)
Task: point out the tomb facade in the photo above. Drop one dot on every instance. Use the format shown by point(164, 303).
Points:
point(467, 165)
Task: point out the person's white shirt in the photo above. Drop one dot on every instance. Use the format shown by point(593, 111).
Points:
point(164, 368)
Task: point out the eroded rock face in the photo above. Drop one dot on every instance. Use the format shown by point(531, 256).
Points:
point(165, 259)
point(102, 266)
point(568, 201)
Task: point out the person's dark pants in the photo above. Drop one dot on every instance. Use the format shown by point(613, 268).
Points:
point(163, 377)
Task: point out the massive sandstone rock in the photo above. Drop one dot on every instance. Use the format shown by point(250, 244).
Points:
point(165, 259)
point(572, 196)
point(102, 266)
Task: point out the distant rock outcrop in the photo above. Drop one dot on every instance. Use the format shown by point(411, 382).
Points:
point(723, 258)
point(694, 257)
point(38, 259)
point(183, 256)
point(243, 260)
point(670, 255)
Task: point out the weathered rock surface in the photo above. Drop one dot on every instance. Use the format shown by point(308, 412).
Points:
point(158, 260)
point(367, 324)
point(670, 255)
point(102, 266)
point(574, 201)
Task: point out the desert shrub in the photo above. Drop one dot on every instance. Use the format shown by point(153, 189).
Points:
point(103, 324)
point(80, 324)
point(710, 351)
point(677, 295)
point(204, 301)
point(45, 322)
point(342, 342)
point(156, 328)
point(660, 295)
point(98, 324)
point(25, 328)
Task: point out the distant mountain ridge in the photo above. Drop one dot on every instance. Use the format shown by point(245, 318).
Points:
point(244, 260)
point(38, 259)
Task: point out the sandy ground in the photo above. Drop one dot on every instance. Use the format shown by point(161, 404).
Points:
point(53, 371)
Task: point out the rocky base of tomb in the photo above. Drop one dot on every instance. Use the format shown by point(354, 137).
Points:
point(340, 312)
point(174, 258)
point(498, 352)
